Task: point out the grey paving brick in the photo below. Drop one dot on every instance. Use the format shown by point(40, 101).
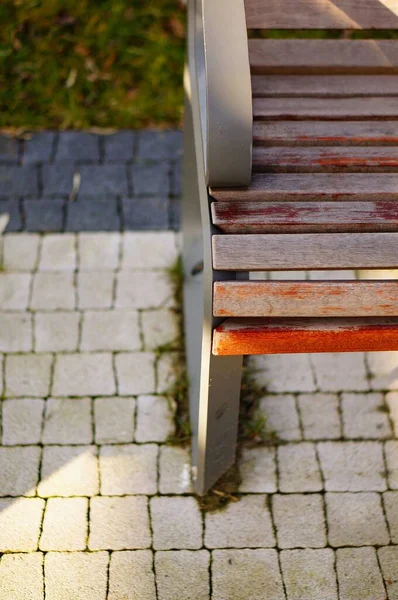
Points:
point(390, 500)
point(174, 470)
point(319, 416)
point(114, 420)
point(69, 471)
point(281, 416)
point(128, 469)
point(15, 481)
point(356, 520)
point(391, 452)
point(392, 403)
point(159, 328)
point(9, 153)
point(176, 179)
point(119, 146)
point(175, 214)
point(299, 520)
point(39, 147)
point(22, 421)
point(16, 332)
point(74, 146)
point(145, 213)
point(21, 576)
point(53, 291)
point(359, 574)
point(340, 371)
point(143, 289)
point(98, 251)
point(383, 367)
point(56, 331)
point(183, 574)
point(155, 419)
point(76, 575)
point(176, 523)
point(58, 252)
point(57, 180)
point(135, 373)
point(298, 468)
point(364, 416)
point(67, 421)
point(131, 575)
point(28, 375)
point(159, 145)
point(309, 574)
point(110, 330)
point(95, 289)
point(148, 250)
point(20, 252)
point(388, 558)
point(99, 214)
point(257, 469)
point(14, 291)
point(18, 181)
point(65, 524)
point(285, 372)
point(12, 209)
point(20, 520)
point(103, 180)
point(151, 180)
point(88, 374)
point(44, 215)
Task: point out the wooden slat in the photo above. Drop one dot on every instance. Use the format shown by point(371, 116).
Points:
point(319, 186)
point(305, 299)
point(324, 86)
point(323, 160)
point(305, 217)
point(325, 133)
point(329, 109)
point(288, 336)
point(292, 56)
point(301, 251)
point(321, 14)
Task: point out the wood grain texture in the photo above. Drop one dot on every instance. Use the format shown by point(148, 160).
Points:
point(305, 217)
point(292, 56)
point(318, 186)
point(325, 133)
point(289, 336)
point(305, 299)
point(321, 14)
point(302, 251)
point(324, 86)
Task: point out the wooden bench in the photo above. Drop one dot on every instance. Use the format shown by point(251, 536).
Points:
point(291, 164)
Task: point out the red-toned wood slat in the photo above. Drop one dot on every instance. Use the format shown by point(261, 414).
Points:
point(290, 336)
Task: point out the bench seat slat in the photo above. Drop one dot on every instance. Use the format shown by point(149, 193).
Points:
point(305, 299)
point(289, 336)
point(302, 251)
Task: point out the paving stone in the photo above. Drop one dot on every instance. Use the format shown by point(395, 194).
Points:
point(57, 331)
point(392, 403)
point(8, 150)
point(14, 291)
point(114, 420)
point(110, 330)
point(39, 147)
point(77, 575)
point(281, 415)
point(58, 252)
point(388, 558)
point(18, 181)
point(85, 214)
point(249, 574)
point(65, 524)
point(390, 500)
point(145, 250)
point(131, 575)
point(183, 574)
point(176, 179)
point(391, 451)
point(364, 416)
point(20, 252)
point(383, 367)
point(22, 421)
point(57, 180)
point(44, 215)
point(298, 468)
point(160, 329)
point(119, 146)
point(309, 574)
point(159, 145)
point(20, 521)
point(53, 291)
point(74, 146)
point(340, 371)
point(175, 214)
point(119, 523)
point(285, 372)
point(175, 470)
point(69, 471)
point(356, 520)
point(359, 574)
point(246, 523)
point(21, 577)
point(169, 367)
point(155, 419)
point(151, 180)
point(84, 375)
point(128, 469)
point(95, 289)
point(16, 332)
point(319, 416)
point(15, 481)
point(103, 180)
point(143, 289)
point(98, 251)
point(28, 375)
point(145, 213)
point(299, 520)
point(67, 421)
point(352, 466)
point(176, 523)
point(257, 469)
point(11, 208)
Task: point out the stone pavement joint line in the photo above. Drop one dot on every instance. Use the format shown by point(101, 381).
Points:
point(94, 502)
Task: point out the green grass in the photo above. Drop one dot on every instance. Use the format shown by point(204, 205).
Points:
point(91, 64)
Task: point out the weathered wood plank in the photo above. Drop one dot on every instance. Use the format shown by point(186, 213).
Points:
point(302, 251)
point(325, 86)
point(321, 14)
point(318, 186)
point(325, 160)
point(305, 299)
point(328, 109)
point(292, 56)
point(325, 133)
point(289, 336)
point(305, 217)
